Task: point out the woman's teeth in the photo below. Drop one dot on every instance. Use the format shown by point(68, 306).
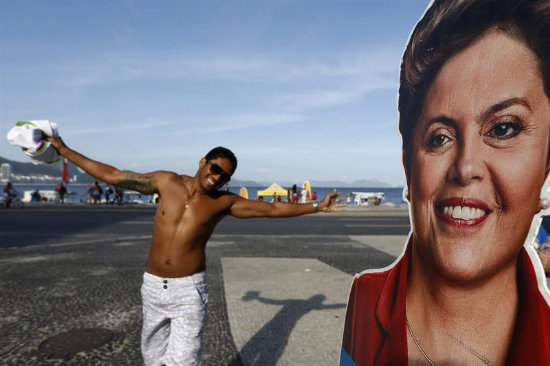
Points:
point(463, 212)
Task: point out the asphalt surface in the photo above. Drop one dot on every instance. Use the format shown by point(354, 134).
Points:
point(68, 268)
point(74, 224)
point(278, 287)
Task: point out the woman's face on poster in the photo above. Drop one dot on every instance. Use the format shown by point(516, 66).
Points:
point(479, 158)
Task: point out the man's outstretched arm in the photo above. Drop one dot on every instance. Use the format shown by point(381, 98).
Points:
point(244, 208)
point(144, 183)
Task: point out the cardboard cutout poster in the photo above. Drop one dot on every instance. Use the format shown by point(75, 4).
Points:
point(474, 107)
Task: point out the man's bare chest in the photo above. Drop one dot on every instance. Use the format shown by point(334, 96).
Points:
point(189, 213)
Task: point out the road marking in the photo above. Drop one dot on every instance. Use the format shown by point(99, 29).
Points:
point(374, 225)
point(37, 258)
point(18, 233)
point(391, 244)
point(212, 243)
point(82, 242)
point(104, 240)
point(370, 219)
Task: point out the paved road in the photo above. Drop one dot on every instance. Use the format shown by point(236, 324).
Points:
point(278, 288)
point(70, 268)
point(55, 225)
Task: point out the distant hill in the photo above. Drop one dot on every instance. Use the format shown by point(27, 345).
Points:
point(362, 183)
point(246, 183)
point(55, 169)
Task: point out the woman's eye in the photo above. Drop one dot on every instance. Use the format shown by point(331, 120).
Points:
point(438, 140)
point(505, 130)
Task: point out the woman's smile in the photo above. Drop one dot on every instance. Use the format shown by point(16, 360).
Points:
point(462, 212)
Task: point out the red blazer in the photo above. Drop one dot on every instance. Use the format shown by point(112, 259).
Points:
point(375, 331)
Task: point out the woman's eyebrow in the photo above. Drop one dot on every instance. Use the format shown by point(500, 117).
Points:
point(503, 105)
point(446, 120)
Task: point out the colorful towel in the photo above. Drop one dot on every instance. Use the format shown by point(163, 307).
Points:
point(30, 136)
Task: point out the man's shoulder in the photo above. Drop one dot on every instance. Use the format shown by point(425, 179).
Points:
point(222, 200)
point(169, 183)
point(222, 194)
point(170, 177)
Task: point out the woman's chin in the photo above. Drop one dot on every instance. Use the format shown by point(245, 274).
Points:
point(464, 266)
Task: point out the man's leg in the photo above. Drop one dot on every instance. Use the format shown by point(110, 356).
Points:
point(155, 331)
point(186, 328)
point(184, 346)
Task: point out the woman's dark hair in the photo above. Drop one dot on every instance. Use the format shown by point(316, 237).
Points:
point(222, 152)
point(447, 28)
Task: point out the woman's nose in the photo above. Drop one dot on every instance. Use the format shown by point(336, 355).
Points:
point(468, 163)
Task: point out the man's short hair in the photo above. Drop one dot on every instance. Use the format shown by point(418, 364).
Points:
point(222, 152)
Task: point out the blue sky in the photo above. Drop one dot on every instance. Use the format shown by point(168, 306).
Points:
point(297, 89)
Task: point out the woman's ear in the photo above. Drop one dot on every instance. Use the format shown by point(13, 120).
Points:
point(407, 175)
point(545, 192)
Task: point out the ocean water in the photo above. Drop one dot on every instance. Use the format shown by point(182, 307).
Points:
point(78, 192)
point(392, 195)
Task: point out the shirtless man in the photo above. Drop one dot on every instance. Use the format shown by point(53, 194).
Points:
point(174, 291)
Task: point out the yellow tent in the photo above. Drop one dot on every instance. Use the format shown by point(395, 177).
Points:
point(307, 187)
point(243, 192)
point(273, 189)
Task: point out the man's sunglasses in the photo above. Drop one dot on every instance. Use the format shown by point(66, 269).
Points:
point(217, 170)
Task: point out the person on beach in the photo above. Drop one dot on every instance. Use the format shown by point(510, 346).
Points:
point(36, 196)
point(108, 192)
point(61, 191)
point(119, 196)
point(174, 291)
point(97, 191)
point(9, 193)
point(474, 115)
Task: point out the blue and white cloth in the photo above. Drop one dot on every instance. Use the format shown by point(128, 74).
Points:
point(31, 137)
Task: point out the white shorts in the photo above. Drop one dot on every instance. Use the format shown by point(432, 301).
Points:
point(174, 314)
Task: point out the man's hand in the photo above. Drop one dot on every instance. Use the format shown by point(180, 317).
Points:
point(57, 143)
point(331, 202)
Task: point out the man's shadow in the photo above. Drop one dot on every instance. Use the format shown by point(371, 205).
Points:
point(267, 345)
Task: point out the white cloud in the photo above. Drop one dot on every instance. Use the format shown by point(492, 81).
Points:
point(145, 125)
point(288, 83)
point(351, 65)
point(71, 131)
point(368, 66)
point(82, 128)
point(317, 99)
point(244, 121)
point(380, 147)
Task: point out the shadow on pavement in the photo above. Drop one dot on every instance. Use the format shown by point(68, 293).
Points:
point(268, 344)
